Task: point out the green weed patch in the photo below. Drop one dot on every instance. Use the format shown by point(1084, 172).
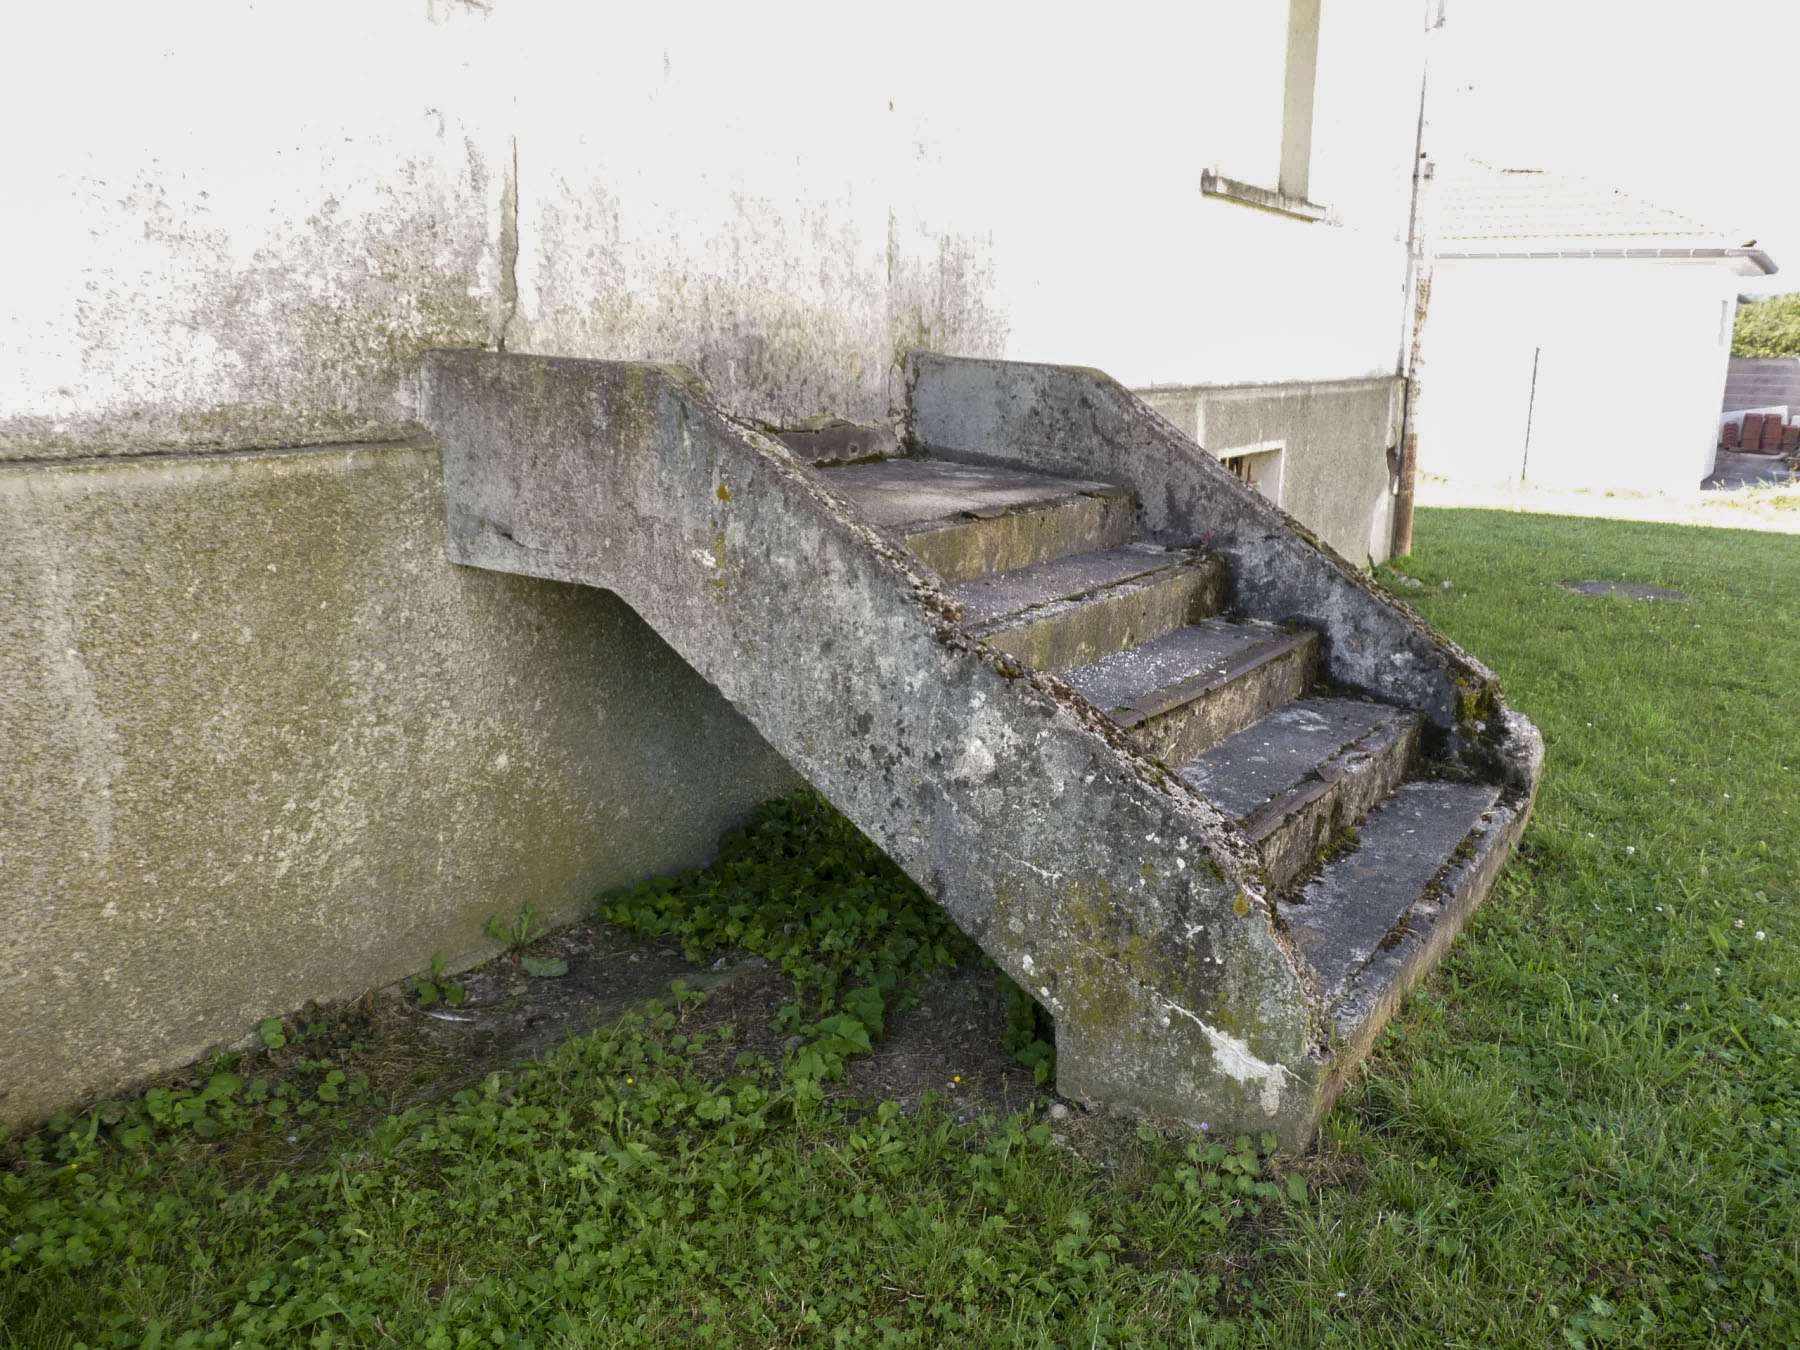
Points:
point(617, 1195)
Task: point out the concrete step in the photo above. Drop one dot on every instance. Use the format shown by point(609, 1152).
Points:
point(1304, 773)
point(1398, 883)
point(968, 520)
point(1190, 689)
point(1073, 611)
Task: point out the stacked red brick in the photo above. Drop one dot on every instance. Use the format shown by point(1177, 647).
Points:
point(1766, 432)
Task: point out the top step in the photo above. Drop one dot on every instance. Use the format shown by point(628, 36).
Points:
point(971, 520)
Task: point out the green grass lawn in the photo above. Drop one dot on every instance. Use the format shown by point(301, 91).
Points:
point(1584, 1130)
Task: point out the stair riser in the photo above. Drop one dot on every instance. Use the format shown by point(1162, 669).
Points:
point(1074, 633)
point(962, 550)
point(1225, 708)
point(1290, 835)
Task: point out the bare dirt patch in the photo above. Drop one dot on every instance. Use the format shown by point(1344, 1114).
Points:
point(951, 1042)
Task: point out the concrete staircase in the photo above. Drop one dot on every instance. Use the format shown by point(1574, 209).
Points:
point(1197, 785)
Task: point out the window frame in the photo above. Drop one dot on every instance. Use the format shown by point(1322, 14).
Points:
point(1293, 174)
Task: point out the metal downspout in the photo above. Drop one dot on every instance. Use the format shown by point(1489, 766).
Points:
point(1418, 295)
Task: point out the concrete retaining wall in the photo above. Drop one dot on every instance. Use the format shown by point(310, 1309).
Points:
point(260, 743)
point(1332, 438)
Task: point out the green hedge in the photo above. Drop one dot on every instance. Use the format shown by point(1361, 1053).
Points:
point(1768, 327)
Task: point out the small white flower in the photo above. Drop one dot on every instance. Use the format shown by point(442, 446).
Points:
point(1760, 935)
point(1727, 796)
point(1615, 998)
point(1687, 1007)
point(1737, 923)
point(1630, 848)
point(1717, 971)
point(1659, 909)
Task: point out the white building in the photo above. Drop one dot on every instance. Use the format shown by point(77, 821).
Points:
point(260, 742)
point(244, 231)
point(1576, 337)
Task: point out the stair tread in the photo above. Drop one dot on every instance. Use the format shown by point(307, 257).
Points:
point(1309, 736)
point(1009, 593)
point(1343, 916)
point(1140, 681)
point(894, 493)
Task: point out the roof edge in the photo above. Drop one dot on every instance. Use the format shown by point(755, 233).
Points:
point(1762, 260)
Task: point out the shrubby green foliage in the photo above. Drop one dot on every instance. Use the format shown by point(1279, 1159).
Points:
point(1768, 327)
point(799, 884)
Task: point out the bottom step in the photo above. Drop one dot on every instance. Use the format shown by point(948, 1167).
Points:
point(1365, 901)
point(1376, 919)
point(1381, 917)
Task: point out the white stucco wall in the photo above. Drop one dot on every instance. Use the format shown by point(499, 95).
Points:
point(234, 225)
point(1631, 358)
point(249, 219)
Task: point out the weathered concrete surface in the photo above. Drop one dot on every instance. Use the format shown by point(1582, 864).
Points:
point(960, 549)
point(1304, 772)
point(1343, 915)
point(266, 277)
point(1063, 420)
point(1102, 617)
point(908, 492)
point(260, 743)
point(1239, 673)
point(1124, 903)
point(1017, 593)
point(1133, 684)
point(1333, 437)
point(1246, 772)
point(967, 521)
point(210, 265)
point(832, 440)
